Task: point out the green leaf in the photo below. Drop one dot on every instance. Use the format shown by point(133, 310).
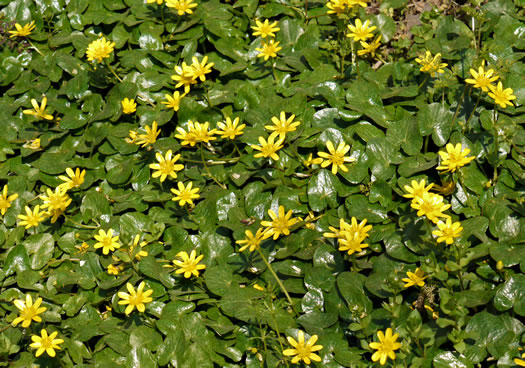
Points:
point(435, 119)
point(351, 287)
point(321, 190)
point(17, 261)
point(511, 294)
point(40, 249)
point(152, 269)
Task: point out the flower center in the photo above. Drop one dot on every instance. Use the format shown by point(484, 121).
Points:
point(166, 167)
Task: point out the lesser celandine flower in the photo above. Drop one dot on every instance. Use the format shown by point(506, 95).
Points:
point(106, 241)
point(455, 157)
point(269, 49)
point(336, 6)
point(33, 144)
point(268, 148)
point(280, 224)
point(202, 132)
point(200, 69)
point(29, 311)
point(99, 49)
point(39, 111)
point(166, 166)
point(416, 190)
point(283, 125)
point(301, 350)
point(114, 269)
point(182, 6)
point(46, 343)
point(430, 205)
point(32, 217)
point(56, 202)
point(448, 231)
point(431, 64)
point(265, 29)
point(520, 362)
point(5, 201)
point(351, 243)
point(173, 102)
point(22, 31)
point(190, 264)
point(185, 194)
point(502, 97)
point(128, 106)
point(74, 179)
point(184, 77)
point(370, 47)
point(361, 229)
point(251, 241)
point(312, 161)
point(151, 135)
point(187, 137)
point(135, 299)
point(415, 278)
point(361, 31)
point(385, 347)
point(336, 157)
point(230, 129)
point(482, 79)
point(141, 253)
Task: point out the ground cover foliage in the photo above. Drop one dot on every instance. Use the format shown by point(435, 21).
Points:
point(319, 269)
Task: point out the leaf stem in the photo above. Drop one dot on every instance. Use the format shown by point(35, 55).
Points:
point(208, 170)
point(281, 285)
point(112, 71)
point(79, 224)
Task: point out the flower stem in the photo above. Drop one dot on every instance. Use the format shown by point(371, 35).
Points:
point(281, 285)
point(209, 172)
point(36, 48)
point(473, 110)
point(112, 71)
point(79, 224)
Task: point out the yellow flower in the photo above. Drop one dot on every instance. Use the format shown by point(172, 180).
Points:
point(280, 224)
point(33, 218)
point(132, 137)
point(519, 361)
point(448, 231)
point(482, 79)
point(151, 135)
point(141, 253)
point(114, 270)
point(200, 69)
point(22, 31)
point(182, 6)
point(354, 228)
point(83, 248)
point(33, 144)
point(302, 351)
point(502, 97)
point(202, 134)
point(106, 241)
point(362, 3)
point(336, 233)
point(265, 29)
point(417, 189)
point(135, 298)
point(184, 77)
point(189, 264)
point(46, 343)
point(361, 31)
point(312, 161)
point(415, 278)
point(230, 129)
point(187, 137)
point(99, 49)
point(5, 201)
point(39, 111)
point(430, 205)
point(336, 157)
point(385, 347)
point(252, 241)
point(128, 106)
point(282, 125)
point(351, 242)
point(185, 194)
point(268, 148)
point(56, 202)
point(28, 311)
point(173, 101)
point(454, 158)
point(258, 287)
point(336, 6)
point(431, 64)
point(74, 179)
point(166, 166)
point(370, 48)
point(268, 49)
